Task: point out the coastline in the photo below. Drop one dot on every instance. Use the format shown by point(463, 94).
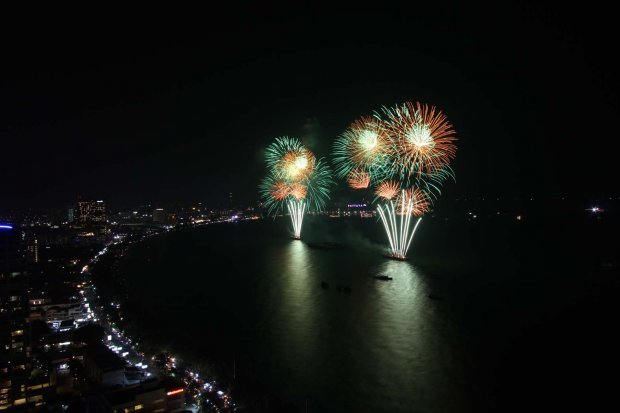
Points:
point(203, 391)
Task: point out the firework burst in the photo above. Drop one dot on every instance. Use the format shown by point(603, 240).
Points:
point(423, 140)
point(296, 165)
point(405, 157)
point(388, 189)
point(279, 190)
point(298, 191)
point(363, 148)
point(358, 179)
point(413, 201)
point(296, 179)
point(318, 185)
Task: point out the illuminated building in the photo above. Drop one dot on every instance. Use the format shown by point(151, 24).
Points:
point(159, 215)
point(33, 249)
point(90, 212)
point(19, 388)
point(14, 310)
point(64, 316)
point(361, 209)
point(151, 395)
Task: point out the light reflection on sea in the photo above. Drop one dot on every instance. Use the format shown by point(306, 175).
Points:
point(380, 347)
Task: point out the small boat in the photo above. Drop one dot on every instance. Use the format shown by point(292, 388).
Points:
point(324, 285)
point(382, 277)
point(435, 297)
point(393, 257)
point(343, 288)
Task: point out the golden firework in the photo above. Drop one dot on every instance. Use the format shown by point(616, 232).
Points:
point(387, 189)
point(424, 138)
point(358, 179)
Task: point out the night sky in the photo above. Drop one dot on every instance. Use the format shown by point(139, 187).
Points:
point(180, 106)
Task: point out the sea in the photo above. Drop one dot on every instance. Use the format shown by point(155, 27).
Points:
point(489, 313)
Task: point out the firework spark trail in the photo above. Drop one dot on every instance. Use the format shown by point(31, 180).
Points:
point(397, 219)
point(296, 210)
point(412, 233)
point(418, 199)
point(397, 227)
point(387, 228)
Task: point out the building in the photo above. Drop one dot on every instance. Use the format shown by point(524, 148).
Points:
point(68, 313)
point(33, 249)
point(90, 213)
point(151, 396)
point(360, 209)
point(159, 215)
point(14, 312)
point(104, 367)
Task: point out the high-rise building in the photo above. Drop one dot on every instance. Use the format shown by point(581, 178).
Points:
point(90, 212)
point(159, 215)
point(33, 249)
point(14, 311)
point(23, 384)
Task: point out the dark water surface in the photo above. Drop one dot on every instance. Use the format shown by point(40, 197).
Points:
point(520, 317)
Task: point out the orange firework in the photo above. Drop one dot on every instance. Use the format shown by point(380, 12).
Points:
point(298, 191)
point(370, 139)
point(387, 189)
point(413, 201)
point(358, 179)
point(280, 190)
point(425, 138)
point(297, 164)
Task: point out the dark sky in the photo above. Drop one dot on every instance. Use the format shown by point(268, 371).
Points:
point(179, 106)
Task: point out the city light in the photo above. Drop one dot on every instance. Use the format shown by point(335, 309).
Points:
point(3, 226)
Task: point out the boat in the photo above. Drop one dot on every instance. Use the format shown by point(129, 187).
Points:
point(382, 277)
point(343, 288)
point(392, 257)
point(324, 285)
point(435, 297)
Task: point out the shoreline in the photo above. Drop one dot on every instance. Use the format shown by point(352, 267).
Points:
point(203, 388)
